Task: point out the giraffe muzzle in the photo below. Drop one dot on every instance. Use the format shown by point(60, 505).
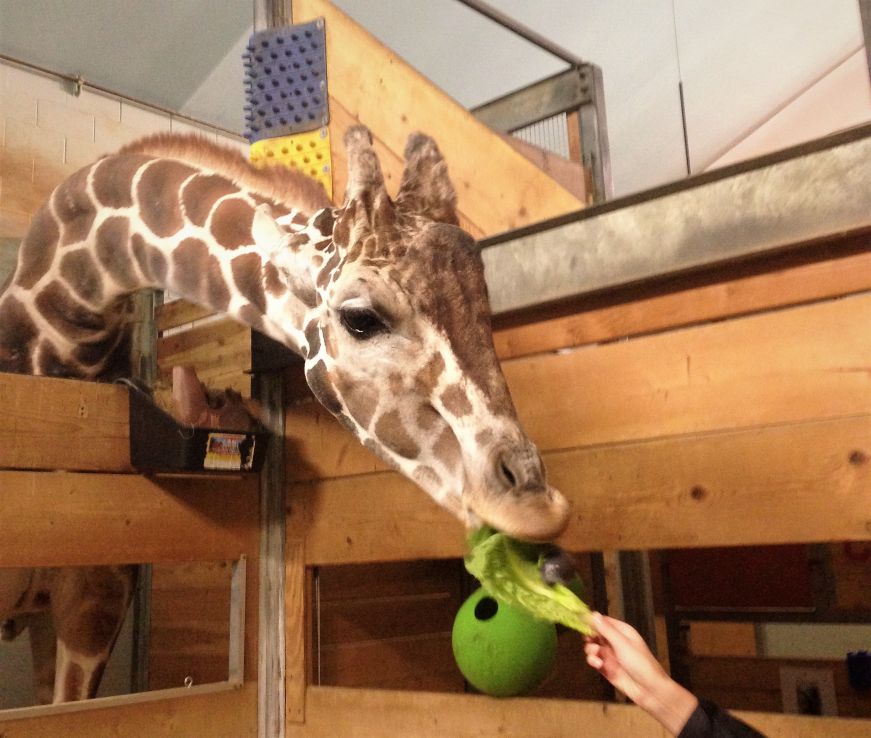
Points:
point(518, 500)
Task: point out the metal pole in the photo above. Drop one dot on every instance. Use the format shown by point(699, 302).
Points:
point(865, 13)
point(510, 24)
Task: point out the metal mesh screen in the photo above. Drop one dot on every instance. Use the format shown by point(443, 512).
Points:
point(550, 134)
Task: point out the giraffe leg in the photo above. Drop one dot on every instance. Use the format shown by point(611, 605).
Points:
point(89, 608)
point(78, 675)
point(43, 647)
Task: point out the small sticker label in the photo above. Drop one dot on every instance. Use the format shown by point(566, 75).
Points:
point(229, 452)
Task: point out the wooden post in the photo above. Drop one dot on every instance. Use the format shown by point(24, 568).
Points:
point(269, 389)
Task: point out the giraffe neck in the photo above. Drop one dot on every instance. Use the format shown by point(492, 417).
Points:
point(133, 221)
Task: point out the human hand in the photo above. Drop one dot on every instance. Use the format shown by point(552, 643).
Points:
point(620, 655)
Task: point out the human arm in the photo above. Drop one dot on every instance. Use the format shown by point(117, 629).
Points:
point(620, 655)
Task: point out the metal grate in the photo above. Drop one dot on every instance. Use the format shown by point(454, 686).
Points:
point(550, 134)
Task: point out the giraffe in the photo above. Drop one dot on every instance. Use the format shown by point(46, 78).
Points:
point(383, 298)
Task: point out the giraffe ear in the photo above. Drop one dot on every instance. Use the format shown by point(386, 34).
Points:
point(364, 169)
point(426, 188)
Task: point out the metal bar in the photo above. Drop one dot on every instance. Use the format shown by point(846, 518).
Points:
point(595, 152)
point(510, 24)
point(272, 13)
point(560, 93)
point(78, 82)
point(810, 192)
point(865, 13)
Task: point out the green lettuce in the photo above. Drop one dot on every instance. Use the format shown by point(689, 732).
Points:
point(509, 571)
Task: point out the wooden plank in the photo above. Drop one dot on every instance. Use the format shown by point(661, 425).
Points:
point(52, 423)
point(570, 174)
point(419, 663)
point(354, 713)
point(295, 631)
point(788, 366)
point(178, 313)
point(777, 282)
point(712, 489)
point(216, 347)
point(189, 624)
point(382, 517)
point(723, 489)
point(394, 100)
point(92, 519)
point(225, 714)
point(387, 581)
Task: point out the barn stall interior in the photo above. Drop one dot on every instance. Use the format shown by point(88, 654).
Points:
point(691, 360)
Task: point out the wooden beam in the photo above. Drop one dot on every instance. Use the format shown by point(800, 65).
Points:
point(360, 712)
point(92, 519)
point(497, 188)
point(223, 714)
point(708, 489)
point(296, 632)
point(63, 424)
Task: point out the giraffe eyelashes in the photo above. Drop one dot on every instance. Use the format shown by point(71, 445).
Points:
point(362, 323)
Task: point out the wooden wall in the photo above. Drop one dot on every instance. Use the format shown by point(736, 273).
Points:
point(736, 410)
point(94, 517)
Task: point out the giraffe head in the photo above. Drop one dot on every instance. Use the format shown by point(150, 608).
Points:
point(399, 347)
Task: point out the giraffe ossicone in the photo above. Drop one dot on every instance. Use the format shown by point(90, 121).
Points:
point(383, 297)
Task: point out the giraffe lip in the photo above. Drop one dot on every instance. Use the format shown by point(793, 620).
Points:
point(538, 517)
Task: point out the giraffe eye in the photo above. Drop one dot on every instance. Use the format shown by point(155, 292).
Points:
point(362, 323)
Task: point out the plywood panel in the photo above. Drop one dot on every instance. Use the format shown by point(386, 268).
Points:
point(56, 519)
point(498, 189)
point(353, 713)
point(48, 423)
point(788, 366)
point(812, 479)
point(189, 624)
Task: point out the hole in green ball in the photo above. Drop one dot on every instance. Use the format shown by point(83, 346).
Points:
point(486, 608)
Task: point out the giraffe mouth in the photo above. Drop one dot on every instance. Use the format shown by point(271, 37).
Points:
point(538, 515)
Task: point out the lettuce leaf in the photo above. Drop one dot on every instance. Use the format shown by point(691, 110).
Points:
point(509, 571)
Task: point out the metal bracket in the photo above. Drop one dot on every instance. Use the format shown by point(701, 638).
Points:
point(579, 89)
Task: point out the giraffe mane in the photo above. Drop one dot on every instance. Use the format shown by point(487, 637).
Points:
point(278, 183)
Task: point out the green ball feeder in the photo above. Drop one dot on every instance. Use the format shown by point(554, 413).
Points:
point(501, 650)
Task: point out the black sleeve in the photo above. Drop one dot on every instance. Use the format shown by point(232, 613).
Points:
point(709, 721)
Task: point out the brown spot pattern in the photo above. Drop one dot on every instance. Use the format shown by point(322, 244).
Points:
point(189, 267)
point(17, 337)
point(201, 193)
point(249, 315)
point(151, 260)
point(37, 250)
point(247, 270)
point(319, 381)
point(51, 365)
point(360, 400)
point(66, 314)
point(455, 401)
point(446, 448)
point(313, 339)
point(272, 279)
point(74, 208)
point(231, 223)
point(392, 433)
point(427, 416)
point(113, 179)
point(111, 247)
point(324, 221)
point(80, 271)
point(427, 378)
point(158, 196)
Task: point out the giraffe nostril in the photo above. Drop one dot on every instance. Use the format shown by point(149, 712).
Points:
point(507, 475)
